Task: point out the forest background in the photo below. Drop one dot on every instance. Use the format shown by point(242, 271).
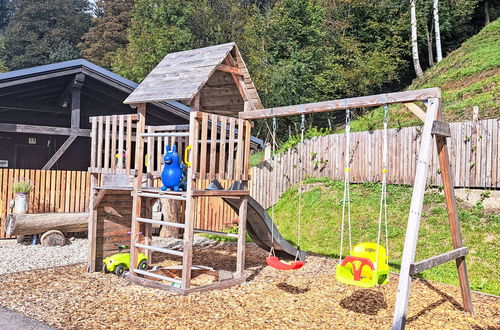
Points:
point(297, 51)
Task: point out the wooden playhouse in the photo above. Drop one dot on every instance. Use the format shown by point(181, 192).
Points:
point(127, 156)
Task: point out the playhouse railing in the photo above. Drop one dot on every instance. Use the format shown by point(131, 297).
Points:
point(111, 144)
point(221, 153)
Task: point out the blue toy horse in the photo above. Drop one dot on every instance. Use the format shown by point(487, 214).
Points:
point(173, 176)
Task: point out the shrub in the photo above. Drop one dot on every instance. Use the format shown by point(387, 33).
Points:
point(22, 186)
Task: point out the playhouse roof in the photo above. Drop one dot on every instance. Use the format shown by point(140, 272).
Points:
point(182, 75)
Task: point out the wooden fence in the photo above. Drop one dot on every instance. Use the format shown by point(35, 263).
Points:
point(53, 191)
point(474, 156)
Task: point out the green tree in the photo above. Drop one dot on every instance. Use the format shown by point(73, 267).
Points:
point(108, 33)
point(305, 51)
point(44, 31)
point(159, 27)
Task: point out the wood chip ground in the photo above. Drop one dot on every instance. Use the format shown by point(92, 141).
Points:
point(69, 298)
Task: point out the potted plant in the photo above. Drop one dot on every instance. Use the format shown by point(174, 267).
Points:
point(21, 188)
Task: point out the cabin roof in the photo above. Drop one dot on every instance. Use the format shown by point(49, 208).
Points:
point(181, 76)
point(51, 79)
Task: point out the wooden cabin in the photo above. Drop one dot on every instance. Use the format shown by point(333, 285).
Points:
point(45, 111)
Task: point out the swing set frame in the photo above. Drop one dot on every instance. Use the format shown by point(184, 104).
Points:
point(434, 131)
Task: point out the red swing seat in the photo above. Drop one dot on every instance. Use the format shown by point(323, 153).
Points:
point(275, 262)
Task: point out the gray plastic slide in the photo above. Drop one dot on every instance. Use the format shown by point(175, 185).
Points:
point(259, 225)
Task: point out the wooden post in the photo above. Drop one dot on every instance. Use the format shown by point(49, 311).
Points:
point(451, 205)
point(475, 113)
point(417, 199)
point(136, 206)
point(170, 210)
point(92, 226)
point(75, 100)
point(187, 258)
point(242, 235)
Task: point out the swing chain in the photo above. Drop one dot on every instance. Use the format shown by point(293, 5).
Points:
point(273, 150)
point(302, 123)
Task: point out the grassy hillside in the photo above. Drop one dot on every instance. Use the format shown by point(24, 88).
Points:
point(321, 218)
point(468, 76)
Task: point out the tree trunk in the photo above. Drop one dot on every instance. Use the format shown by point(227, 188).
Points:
point(486, 13)
point(439, 53)
point(171, 213)
point(38, 223)
point(429, 47)
point(414, 40)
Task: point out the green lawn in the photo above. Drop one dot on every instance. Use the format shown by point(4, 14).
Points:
point(321, 216)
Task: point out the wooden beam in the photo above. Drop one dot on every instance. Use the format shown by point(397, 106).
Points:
point(76, 93)
point(133, 117)
point(62, 149)
point(99, 197)
point(48, 130)
point(451, 205)
point(440, 259)
point(342, 104)
point(242, 235)
point(416, 110)
point(240, 82)
point(229, 69)
point(190, 211)
point(92, 226)
point(403, 293)
point(39, 77)
point(76, 81)
point(441, 128)
point(29, 106)
point(136, 204)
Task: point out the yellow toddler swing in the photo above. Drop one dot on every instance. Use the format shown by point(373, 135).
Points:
point(367, 264)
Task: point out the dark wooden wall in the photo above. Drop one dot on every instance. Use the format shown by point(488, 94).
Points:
point(114, 217)
point(15, 148)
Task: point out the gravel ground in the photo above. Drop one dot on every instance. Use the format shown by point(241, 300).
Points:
point(17, 257)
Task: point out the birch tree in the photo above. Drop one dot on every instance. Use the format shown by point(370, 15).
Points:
point(439, 54)
point(414, 40)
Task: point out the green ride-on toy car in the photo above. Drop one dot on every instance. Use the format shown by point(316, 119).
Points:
point(120, 262)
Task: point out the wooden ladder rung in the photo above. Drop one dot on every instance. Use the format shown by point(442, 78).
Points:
point(211, 232)
point(160, 277)
point(161, 223)
point(159, 249)
point(440, 259)
point(166, 134)
point(220, 193)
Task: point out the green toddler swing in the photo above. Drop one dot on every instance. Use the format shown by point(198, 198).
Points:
point(367, 264)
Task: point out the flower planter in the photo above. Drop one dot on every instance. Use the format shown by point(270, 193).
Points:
point(21, 203)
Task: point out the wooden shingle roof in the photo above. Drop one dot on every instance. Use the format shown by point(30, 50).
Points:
point(181, 76)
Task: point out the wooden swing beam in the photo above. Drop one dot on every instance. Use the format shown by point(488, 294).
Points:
point(347, 103)
point(433, 130)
